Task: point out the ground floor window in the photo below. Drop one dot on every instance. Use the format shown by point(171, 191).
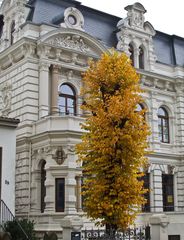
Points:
point(146, 179)
point(168, 192)
point(43, 188)
point(174, 237)
point(60, 194)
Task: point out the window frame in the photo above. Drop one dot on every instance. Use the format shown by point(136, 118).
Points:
point(146, 185)
point(57, 198)
point(167, 187)
point(42, 186)
point(164, 121)
point(141, 58)
point(66, 97)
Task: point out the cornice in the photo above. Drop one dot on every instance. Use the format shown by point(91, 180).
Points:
point(15, 53)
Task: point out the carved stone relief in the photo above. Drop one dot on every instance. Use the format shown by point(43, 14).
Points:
point(6, 93)
point(160, 84)
point(73, 18)
point(56, 153)
point(74, 42)
point(59, 155)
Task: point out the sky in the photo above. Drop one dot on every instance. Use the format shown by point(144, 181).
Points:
point(164, 15)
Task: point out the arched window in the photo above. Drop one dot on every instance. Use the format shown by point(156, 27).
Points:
point(163, 125)
point(43, 188)
point(67, 100)
point(141, 58)
point(12, 30)
point(131, 50)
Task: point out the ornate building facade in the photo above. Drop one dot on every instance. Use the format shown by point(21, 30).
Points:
point(44, 47)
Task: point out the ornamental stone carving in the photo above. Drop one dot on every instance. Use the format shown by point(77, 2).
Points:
point(73, 18)
point(6, 91)
point(179, 87)
point(59, 156)
point(74, 42)
point(135, 16)
point(41, 153)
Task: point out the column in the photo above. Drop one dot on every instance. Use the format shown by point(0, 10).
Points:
point(54, 89)
point(50, 185)
point(70, 197)
point(43, 90)
point(136, 57)
point(180, 114)
point(154, 122)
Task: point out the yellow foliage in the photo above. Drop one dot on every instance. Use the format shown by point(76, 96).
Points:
point(114, 145)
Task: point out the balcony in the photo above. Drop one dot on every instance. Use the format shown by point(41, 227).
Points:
point(61, 123)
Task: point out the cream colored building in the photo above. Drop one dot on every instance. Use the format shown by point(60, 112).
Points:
point(44, 47)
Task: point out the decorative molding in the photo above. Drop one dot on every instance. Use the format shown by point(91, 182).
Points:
point(157, 83)
point(6, 90)
point(179, 87)
point(59, 156)
point(41, 153)
point(73, 18)
point(74, 42)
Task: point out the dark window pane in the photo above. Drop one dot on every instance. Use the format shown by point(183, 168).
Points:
point(146, 179)
point(174, 237)
point(163, 125)
point(141, 58)
point(60, 194)
point(43, 188)
point(12, 32)
point(168, 192)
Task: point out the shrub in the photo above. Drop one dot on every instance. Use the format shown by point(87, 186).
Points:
point(13, 227)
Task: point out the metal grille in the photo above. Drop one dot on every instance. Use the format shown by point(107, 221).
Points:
point(141, 233)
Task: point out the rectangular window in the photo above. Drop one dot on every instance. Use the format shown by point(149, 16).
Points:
point(60, 194)
point(146, 185)
point(174, 237)
point(168, 192)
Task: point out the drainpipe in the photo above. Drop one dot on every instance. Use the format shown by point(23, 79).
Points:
point(29, 191)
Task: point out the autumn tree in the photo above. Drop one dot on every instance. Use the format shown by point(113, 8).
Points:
point(114, 142)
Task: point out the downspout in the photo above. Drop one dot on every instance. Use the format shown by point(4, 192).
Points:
point(29, 191)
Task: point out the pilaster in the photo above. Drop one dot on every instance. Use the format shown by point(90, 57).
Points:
point(157, 186)
point(159, 227)
point(179, 86)
point(54, 89)
point(44, 90)
point(154, 121)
